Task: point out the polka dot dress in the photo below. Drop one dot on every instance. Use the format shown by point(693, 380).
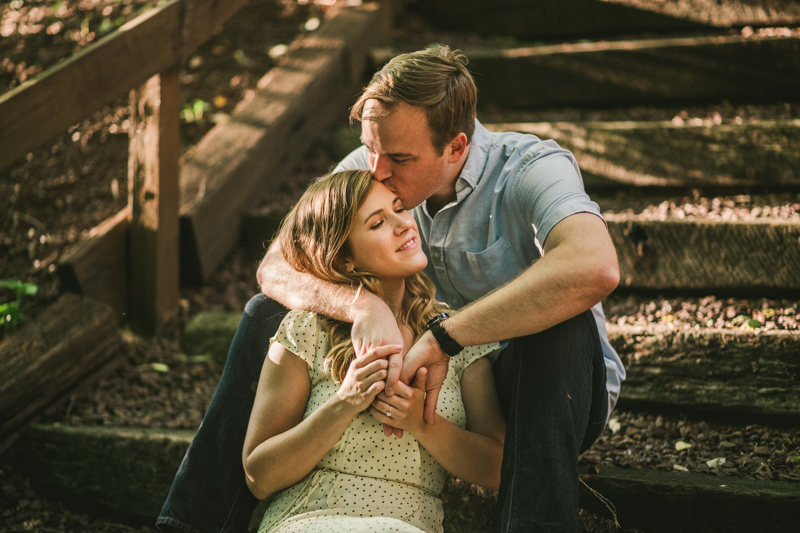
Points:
point(367, 482)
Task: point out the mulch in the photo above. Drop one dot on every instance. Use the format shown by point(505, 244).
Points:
point(53, 197)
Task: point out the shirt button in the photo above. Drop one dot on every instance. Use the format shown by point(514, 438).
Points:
point(437, 255)
point(455, 301)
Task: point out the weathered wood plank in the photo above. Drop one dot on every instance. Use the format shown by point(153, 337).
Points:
point(131, 470)
point(153, 197)
point(693, 503)
point(541, 19)
point(76, 87)
point(707, 255)
point(124, 469)
point(662, 154)
point(648, 71)
point(237, 164)
point(48, 356)
point(97, 266)
point(716, 371)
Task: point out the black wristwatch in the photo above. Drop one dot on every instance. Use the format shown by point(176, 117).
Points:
point(446, 342)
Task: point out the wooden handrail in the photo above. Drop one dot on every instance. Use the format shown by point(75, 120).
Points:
point(64, 94)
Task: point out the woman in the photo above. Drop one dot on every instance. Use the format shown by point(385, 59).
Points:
point(315, 438)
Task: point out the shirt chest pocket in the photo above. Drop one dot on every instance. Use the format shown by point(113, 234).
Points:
point(482, 272)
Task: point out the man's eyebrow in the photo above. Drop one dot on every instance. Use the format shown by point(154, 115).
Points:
point(396, 154)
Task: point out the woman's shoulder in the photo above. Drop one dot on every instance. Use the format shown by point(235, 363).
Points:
point(299, 334)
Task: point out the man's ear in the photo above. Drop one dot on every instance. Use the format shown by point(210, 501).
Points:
point(458, 147)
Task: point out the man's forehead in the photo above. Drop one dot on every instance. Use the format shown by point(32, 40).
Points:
point(375, 109)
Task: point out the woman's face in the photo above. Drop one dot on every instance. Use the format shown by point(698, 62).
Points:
point(384, 239)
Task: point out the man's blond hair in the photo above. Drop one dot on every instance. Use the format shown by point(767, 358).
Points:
point(435, 79)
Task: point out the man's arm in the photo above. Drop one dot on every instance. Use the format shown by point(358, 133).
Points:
point(374, 323)
point(578, 269)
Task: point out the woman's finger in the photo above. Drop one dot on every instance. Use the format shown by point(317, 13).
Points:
point(380, 352)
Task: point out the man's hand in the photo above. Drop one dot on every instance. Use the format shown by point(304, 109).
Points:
point(427, 353)
point(374, 328)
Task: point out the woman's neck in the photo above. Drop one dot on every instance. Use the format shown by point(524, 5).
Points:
point(393, 292)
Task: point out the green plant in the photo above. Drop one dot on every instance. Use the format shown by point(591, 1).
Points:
point(10, 315)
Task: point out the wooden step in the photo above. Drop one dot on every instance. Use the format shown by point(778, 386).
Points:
point(704, 255)
point(543, 20)
point(675, 254)
point(49, 355)
point(710, 371)
point(647, 71)
point(666, 502)
point(764, 154)
point(131, 470)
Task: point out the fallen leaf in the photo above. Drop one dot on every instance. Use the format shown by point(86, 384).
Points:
point(680, 468)
point(716, 462)
point(614, 425)
point(680, 445)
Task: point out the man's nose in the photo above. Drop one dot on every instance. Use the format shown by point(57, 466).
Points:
point(380, 168)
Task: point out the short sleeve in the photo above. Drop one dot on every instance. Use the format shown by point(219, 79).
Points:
point(298, 334)
point(470, 354)
point(550, 188)
point(355, 160)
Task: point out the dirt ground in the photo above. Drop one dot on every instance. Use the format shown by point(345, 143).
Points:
point(60, 191)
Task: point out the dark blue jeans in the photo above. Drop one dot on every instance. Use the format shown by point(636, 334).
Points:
point(551, 386)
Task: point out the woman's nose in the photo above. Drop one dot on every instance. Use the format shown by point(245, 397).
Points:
point(403, 223)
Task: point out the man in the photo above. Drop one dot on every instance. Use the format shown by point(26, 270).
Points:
point(512, 240)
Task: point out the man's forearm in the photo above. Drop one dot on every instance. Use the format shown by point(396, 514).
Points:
point(300, 290)
point(570, 278)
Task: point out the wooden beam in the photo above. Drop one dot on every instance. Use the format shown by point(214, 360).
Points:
point(717, 371)
point(647, 71)
point(49, 355)
point(153, 197)
point(706, 255)
point(97, 266)
point(664, 502)
point(63, 95)
point(238, 164)
point(544, 20)
point(121, 468)
point(662, 154)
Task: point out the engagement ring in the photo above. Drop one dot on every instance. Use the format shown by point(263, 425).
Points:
point(389, 412)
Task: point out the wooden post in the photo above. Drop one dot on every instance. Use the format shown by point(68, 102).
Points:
point(153, 197)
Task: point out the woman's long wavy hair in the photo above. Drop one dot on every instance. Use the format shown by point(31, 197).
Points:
point(313, 237)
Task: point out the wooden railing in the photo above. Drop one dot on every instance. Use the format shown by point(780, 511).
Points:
point(143, 57)
point(183, 218)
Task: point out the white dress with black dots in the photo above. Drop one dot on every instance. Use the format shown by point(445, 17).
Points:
point(367, 482)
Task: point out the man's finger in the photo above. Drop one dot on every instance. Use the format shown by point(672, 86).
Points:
point(431, 399)
point(379, 353)
point(395, 366)
point(421, 379)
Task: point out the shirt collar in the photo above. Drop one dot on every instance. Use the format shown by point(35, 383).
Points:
point(473, 167)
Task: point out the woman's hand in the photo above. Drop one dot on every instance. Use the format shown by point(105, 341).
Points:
point(366, 377)
point(407, 404)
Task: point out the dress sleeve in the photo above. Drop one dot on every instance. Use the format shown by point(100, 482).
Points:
point(470, 354)
point(298, 334)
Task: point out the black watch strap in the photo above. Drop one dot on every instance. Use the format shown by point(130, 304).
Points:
point(446, 342)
